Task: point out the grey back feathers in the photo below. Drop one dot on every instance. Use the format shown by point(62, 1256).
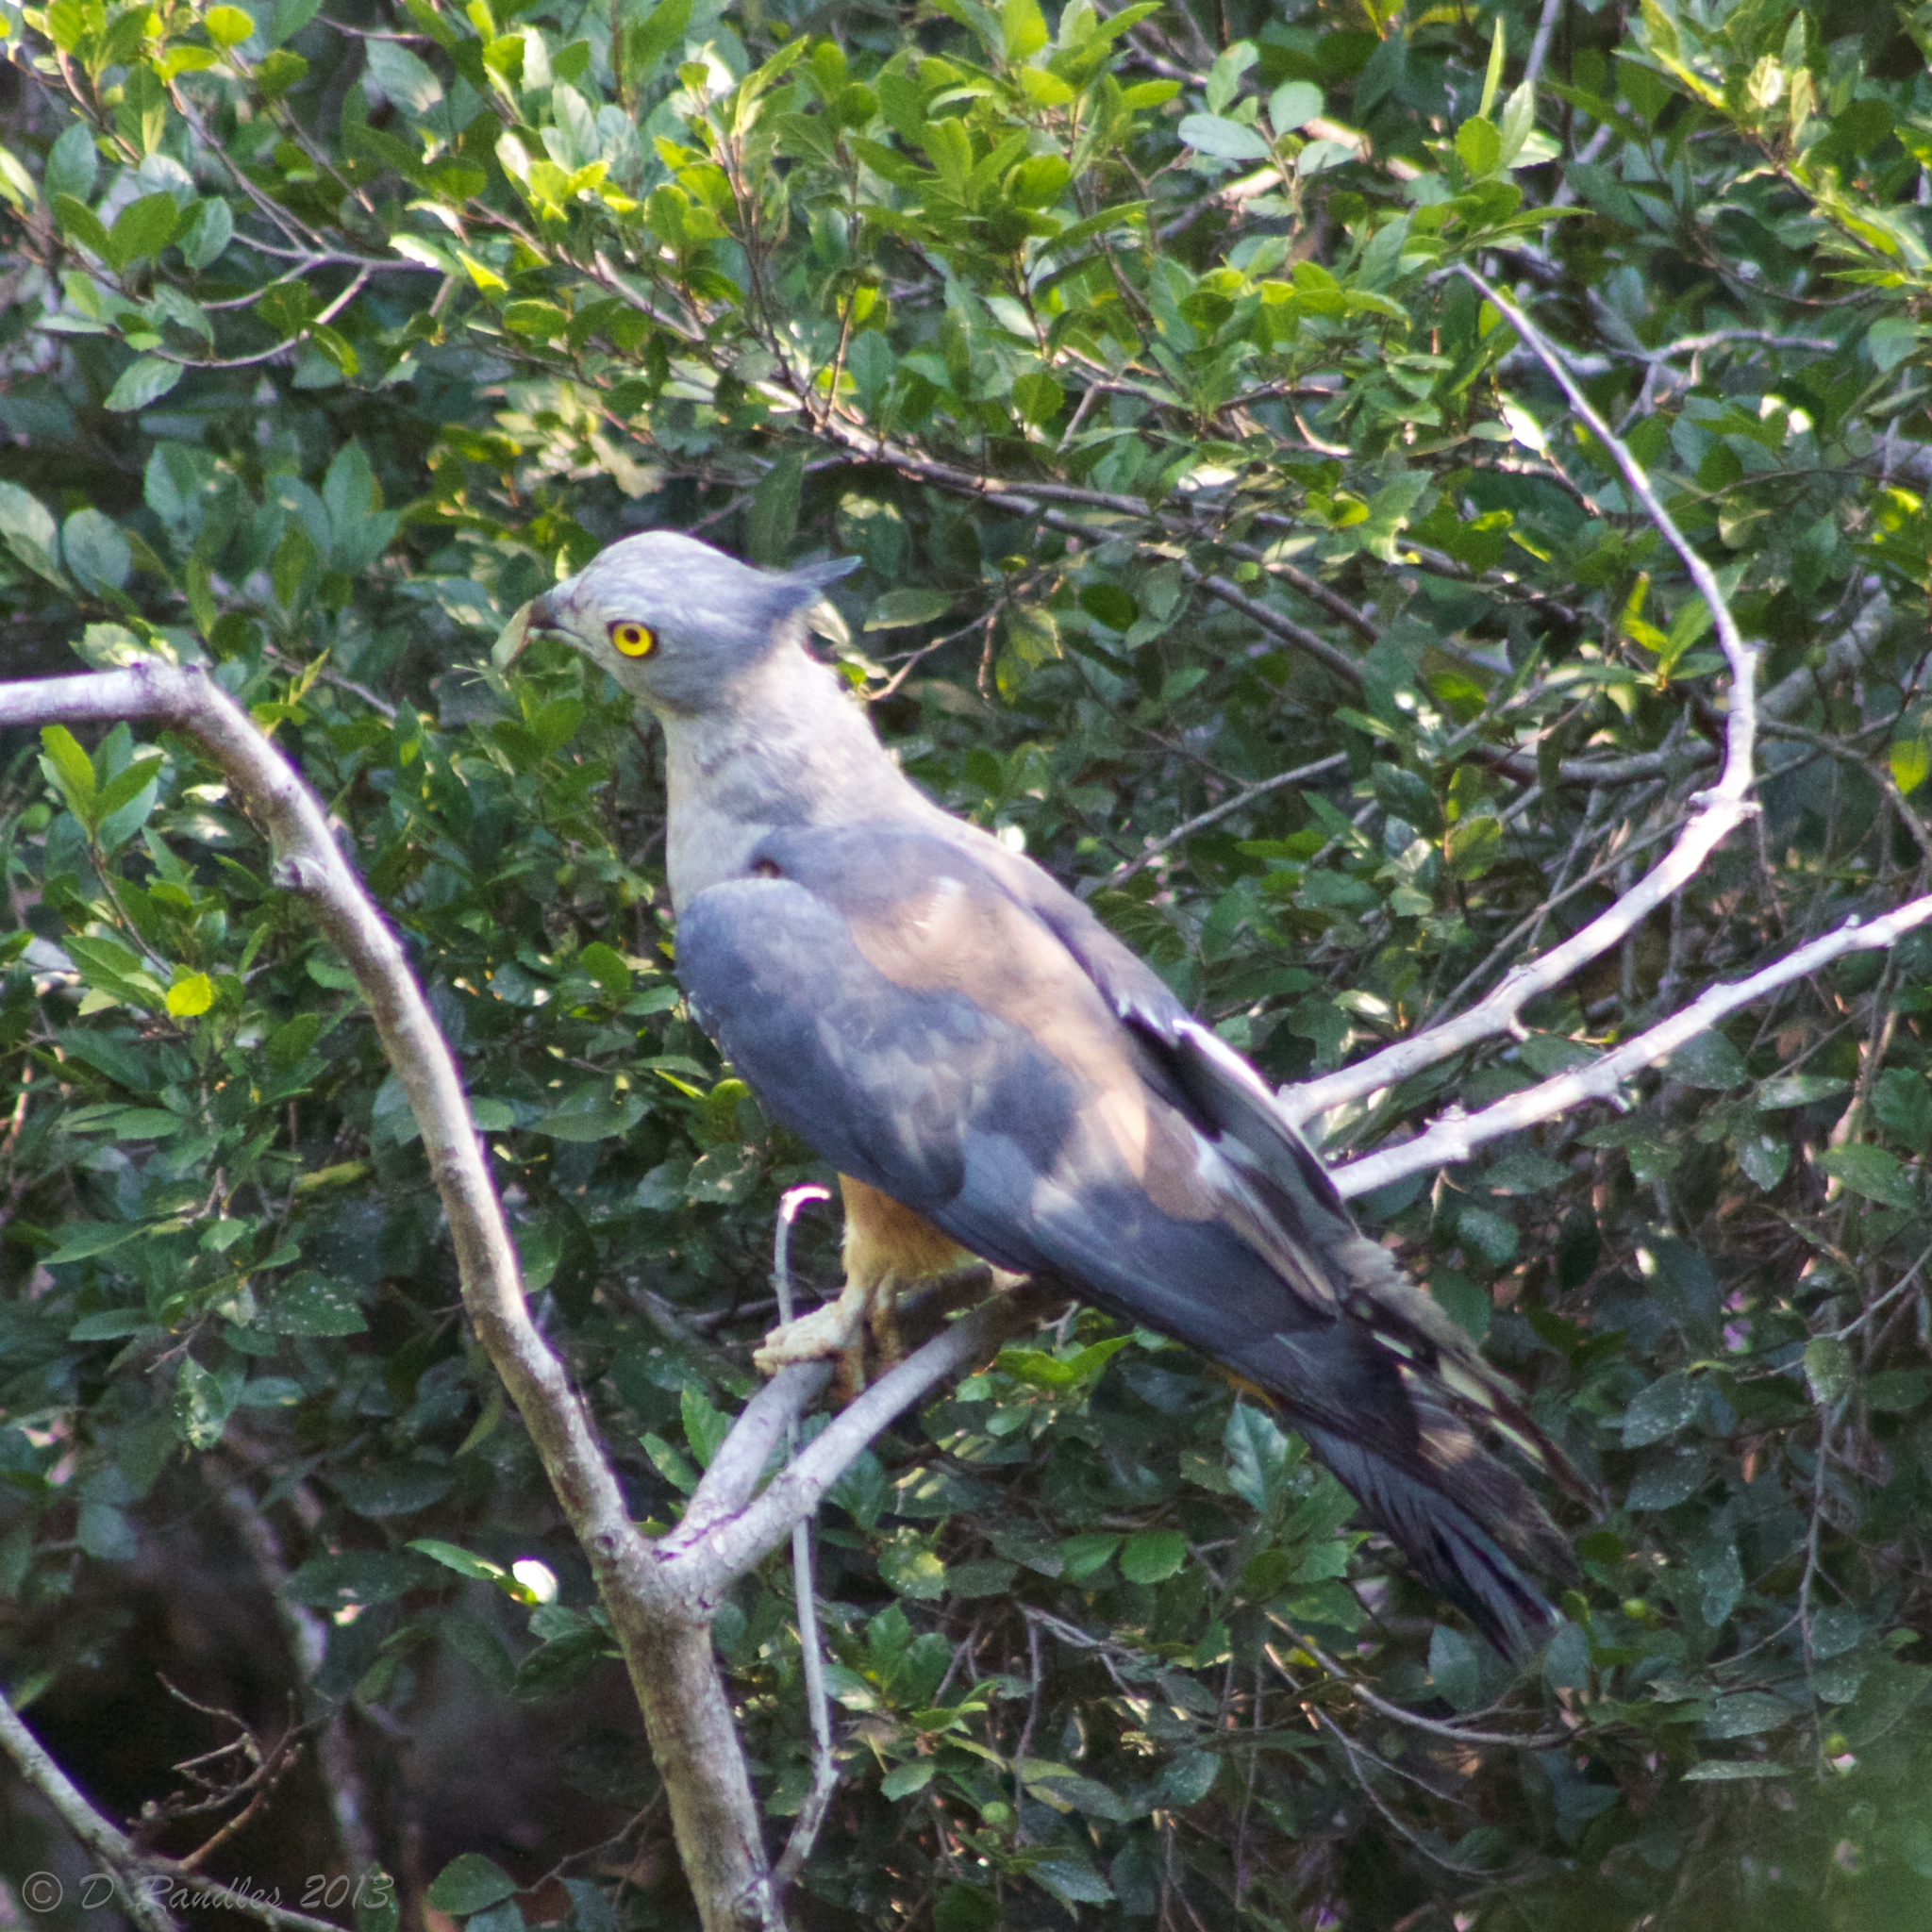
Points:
point(944, 1022)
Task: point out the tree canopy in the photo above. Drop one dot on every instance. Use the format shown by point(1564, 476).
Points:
point(1228, 545)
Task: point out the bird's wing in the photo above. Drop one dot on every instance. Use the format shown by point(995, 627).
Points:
point(949, 1032)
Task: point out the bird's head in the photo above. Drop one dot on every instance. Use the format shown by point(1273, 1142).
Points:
point(672, 621)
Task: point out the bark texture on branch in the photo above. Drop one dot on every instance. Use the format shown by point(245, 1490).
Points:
point(667, 1650)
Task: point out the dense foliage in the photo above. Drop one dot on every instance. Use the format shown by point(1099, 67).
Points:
point(1222, 545)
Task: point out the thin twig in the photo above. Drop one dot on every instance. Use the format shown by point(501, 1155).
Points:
point(825, 1766)
point(145, 1881)
point(1227, 809)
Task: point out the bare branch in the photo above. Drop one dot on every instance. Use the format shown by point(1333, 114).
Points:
point(745, 1454)
point(87, 1824)
point(145, 1881)
point(1457, 1733)
point(1540, 47)
point(1452, 1141)
point(701, 1574)
point(825, 1766)
point(667, 1651)
point(1720, 811)
point(1844, 656)
point(1248, 795)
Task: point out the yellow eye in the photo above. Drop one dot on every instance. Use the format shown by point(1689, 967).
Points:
point(634, 639)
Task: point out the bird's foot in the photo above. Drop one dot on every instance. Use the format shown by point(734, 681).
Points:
point(837, 1332)
point(824, 1334)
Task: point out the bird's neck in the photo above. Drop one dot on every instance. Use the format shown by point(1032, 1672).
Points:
point(785, 746)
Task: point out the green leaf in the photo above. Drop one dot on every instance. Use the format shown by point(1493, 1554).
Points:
point(109, 1325)
point(1707, 1060)
point(80, 221)
point(143, 227)
point(1513, 132)
point(1152, 1555)
point(96, 552)
point(669, 1462)
point(1663, 1409)
point(646, 42)
point(913, 1572)
point(227, 27)
point(1911, 762)
point(1797, 1090)
point(191, 996)
point(128, 784)
point(1479, 145)
point(289, 19)
point(71, 769)
point(314, 1306)
point(1223, 138)
point(1257, 1456)
point(470, 1884)
point(1038, 397)
point(1023, 32)
point(897, 609)
point(452, 1556)
point(1876, 1172)
point(1492, 75)
point(356, 1577)
point(210, 230)
point(73, 164)
point(1293, 105)
point(903, 1779)
point(606, 965)
point(400, 77)
point(1827, 1369)
point(1492, 1235)
point(704, 1426)
point(146, 380)
point(773, 522)
point(591, 1115)
point(1090, 1551)
point(29, 532)
point(90, 1238)
point(203, 1400)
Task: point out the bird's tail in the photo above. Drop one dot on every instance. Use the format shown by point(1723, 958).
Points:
point(1434, 1458)
point(1474, 1532)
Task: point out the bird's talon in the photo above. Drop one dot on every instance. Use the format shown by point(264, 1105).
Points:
point(826, 1334)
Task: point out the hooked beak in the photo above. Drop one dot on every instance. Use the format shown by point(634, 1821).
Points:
point(538, 614)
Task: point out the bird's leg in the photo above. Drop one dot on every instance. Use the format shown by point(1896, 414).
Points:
point(886, 1246)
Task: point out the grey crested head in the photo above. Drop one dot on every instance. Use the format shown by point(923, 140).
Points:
point(675, 622)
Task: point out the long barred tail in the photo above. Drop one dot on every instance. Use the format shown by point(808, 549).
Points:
point(1489, 1555)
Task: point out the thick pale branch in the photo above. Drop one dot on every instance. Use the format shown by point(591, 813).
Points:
point(746, 1453)
point(1720, 811)
point(703, 1571)
point(667, 1655)
point(89, 1827)
point(1451, 1140)
point(309, 862)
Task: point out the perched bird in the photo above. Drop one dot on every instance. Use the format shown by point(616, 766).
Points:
point(991, 1071)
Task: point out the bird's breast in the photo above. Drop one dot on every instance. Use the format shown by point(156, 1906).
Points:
point(883, 1238)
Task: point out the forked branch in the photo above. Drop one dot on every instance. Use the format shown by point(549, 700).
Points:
point(1456, 1139)
point(660, 1595)
point(1718, 812)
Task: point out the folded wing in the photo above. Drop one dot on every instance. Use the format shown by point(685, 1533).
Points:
point(949, 1026)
